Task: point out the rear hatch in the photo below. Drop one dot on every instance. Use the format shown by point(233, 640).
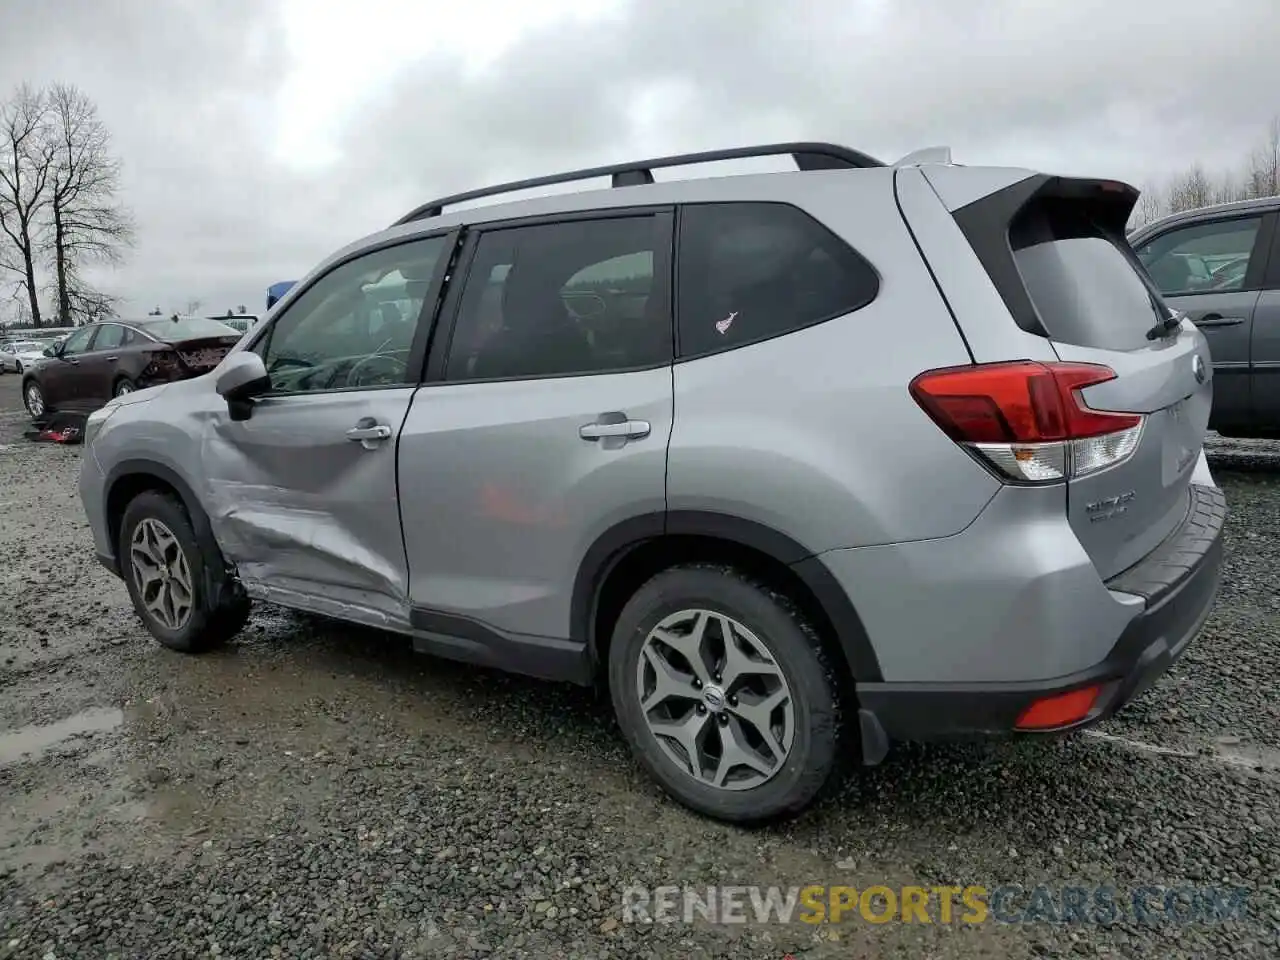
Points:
point(1057, 252)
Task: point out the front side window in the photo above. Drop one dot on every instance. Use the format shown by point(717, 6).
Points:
point(78, 342)
point(558, 299)
point(354, 327)
point(752, 271)
point(1202, 258)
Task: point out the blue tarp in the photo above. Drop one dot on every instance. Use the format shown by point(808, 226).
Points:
point(278, 290)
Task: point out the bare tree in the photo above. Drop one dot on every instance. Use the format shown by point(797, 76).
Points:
point(25, 171)
point(1150, 206)
point(1263, 175)
point(1190, 190)
point(193, 307)
point(88, 226)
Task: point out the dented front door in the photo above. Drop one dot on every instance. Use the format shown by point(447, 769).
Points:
point(303, 498)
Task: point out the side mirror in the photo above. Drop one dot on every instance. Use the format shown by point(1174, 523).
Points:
point(243, 377)
point(53, 351)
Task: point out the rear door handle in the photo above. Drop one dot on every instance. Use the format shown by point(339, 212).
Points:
point(626, 429)
point(1217, 320)
point(369, 433)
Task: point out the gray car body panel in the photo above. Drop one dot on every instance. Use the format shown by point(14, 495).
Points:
point(837, 432)
point(482, 508)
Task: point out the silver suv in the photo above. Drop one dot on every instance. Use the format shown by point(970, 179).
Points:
point(795, 464)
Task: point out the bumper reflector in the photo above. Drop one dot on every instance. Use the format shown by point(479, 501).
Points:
point(1060, 710)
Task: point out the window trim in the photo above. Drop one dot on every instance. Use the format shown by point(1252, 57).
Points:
point(141, 334)
point(663, 216)
point(682, 357)
point(1254, 274)
point(422, 335)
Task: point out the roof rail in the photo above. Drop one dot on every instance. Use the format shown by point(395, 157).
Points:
point(807, 156)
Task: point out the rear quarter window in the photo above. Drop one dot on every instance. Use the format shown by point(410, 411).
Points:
point(749, 272)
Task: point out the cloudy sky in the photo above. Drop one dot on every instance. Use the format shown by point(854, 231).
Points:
point(259, 135)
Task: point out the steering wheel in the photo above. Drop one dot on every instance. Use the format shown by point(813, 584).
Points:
point(395, 368)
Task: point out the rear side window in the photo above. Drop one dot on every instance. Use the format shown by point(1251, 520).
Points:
point(1087, 287)
point(752, 271)
point(557, 299)
point(109, 337)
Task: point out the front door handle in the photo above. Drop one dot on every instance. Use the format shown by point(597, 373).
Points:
point(113, 359)
point(604, 429)
point(369, 433)
point(1217, 320)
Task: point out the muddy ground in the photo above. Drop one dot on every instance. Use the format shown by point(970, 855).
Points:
point(314, 790)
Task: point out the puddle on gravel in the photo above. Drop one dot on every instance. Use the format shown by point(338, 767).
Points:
point(31, 741)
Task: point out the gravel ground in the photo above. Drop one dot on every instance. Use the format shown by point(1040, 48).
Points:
point(319, 791)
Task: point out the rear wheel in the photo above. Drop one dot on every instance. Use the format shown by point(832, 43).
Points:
point(725, 695)
point(179, 586)
point(123, 385)
point(33, 398)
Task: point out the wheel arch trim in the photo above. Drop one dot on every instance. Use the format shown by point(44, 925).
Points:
point(619, 541)
point(127, 469)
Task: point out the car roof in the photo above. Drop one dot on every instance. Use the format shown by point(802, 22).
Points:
point(1259, 205)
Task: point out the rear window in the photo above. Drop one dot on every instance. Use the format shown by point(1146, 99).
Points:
point(1087, 288)
point(187, 328)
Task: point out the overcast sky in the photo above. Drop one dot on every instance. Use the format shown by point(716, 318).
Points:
point(260, 135)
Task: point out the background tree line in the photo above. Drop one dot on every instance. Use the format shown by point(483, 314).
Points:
point(59, 210)
point(1257, 176)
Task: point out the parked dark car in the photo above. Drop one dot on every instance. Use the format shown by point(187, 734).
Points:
point(104, 360)
point(1220, 266)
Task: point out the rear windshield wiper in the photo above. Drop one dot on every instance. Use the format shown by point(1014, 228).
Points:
point(1169, 325)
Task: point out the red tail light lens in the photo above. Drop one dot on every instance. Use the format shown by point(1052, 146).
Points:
point(1061, 710)
point(1027, 420)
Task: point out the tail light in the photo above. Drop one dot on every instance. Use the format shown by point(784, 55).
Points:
point(1027, 421)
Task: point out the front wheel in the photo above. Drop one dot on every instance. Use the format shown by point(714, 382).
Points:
point(725, 694)
point(33, 398)
point(179, 586)
point(123, 385)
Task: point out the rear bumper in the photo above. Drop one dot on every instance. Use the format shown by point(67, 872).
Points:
point(1178, 582)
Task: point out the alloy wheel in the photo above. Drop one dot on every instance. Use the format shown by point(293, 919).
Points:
point(715, 699)
point(35, 400)
point(162, 574)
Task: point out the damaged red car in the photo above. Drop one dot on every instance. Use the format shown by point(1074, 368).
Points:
point(104, 360)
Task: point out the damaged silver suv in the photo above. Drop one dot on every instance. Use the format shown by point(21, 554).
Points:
point(794, 464)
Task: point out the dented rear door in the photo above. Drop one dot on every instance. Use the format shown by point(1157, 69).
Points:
point(306, 508)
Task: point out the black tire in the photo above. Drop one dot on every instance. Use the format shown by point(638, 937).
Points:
point(26, 386)
point(219, 605)
point(123, 385)
point(794, 644)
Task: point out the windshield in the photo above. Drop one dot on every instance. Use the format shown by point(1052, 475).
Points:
point(185, 328)
point(29, 346)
